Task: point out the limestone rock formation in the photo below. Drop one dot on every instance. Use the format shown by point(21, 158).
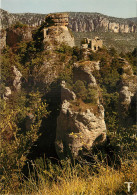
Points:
point(15, 36)
point(17, 79)
point(79, 125)
point(66, 94)
point(29, 121)
point(78, 22)
point(128, 89)
point(2, 39)
point(88, 22)
point(56, 29)
point(58, 19)
point(7, 93)
point(83, 71)
point(32, 20)
point(78, 130)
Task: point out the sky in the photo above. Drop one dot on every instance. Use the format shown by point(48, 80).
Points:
point(116, 8)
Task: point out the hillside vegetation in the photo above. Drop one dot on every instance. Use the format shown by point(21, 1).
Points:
point(29, 163)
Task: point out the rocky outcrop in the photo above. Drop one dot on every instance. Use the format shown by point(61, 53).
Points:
point(2, 39)
point(83, 71)
point(17, 79)
point(30, 118)
point(32, 20)
point(78, 130)
point(66, 94)
point(7, 93)
point(56, 30)
point(15, 36)
point(81, 127)
point(127, 92)
point(58, 19)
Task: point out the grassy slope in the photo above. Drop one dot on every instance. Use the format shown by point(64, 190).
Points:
point(122, 42)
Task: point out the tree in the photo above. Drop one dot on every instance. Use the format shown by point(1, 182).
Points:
point(16, 138)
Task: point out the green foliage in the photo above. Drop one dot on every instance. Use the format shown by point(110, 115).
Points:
point(110, 74)
point(17, 138)
point(49, 22)
point(19, 25)
point(132, 58)
point(94, 56)
point(8, 60)
point(66, 75)
point(38, 38)
point(80, 89)
point(112, 51)
point(65, 49)
point(87, 93)
point(111, 110)
point(78, 53)
point(91, 96)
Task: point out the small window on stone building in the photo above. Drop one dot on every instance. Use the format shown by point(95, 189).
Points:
point(98, 47)
point(47, 32)
point(95, 48)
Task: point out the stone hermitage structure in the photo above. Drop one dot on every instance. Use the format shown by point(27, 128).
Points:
point(94, 44)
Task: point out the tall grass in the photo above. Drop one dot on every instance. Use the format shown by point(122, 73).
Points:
point(65, 179)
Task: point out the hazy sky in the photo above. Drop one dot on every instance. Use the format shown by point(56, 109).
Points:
point(117, 8)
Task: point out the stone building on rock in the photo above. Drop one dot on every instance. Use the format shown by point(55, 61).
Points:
point(56, 29)
point(93, 44)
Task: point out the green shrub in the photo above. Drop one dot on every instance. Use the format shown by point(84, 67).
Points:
point(19, 25)
point(80, 89)
point(16, 138)
point(91, 96)
point(65, 49)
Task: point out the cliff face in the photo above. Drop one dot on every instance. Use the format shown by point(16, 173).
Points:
point(7, 19)
point(78, 22)
point(88, 22)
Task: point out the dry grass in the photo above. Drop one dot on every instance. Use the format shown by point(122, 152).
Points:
point(107, 181)
point(81, 181)
point(78, 105)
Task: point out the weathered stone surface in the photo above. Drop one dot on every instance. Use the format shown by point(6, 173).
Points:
point(88, 22)
point(17, 79)
point(7, 93)
point(58, 19)
point(128, 89)
point(78, 22)
point(66, 94)
point(60, 34)
point(2, 39)
point(56, 29)
point(29, 121)
point(15, 36)
point(33, 20)
point(125, 95)
point(76, 130)
point(83, 127)
point(83, 71)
